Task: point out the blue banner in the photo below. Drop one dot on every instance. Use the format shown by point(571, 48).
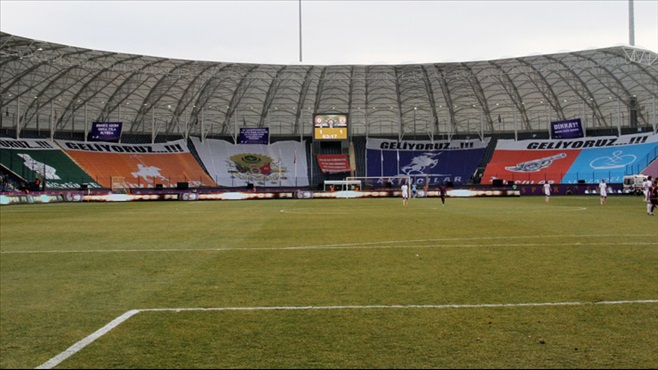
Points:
point(427, 162)
point(610, 164)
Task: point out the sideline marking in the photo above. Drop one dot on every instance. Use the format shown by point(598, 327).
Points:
point(540, 209)
point(77, 347)
point(375, 245)
point(340, 246)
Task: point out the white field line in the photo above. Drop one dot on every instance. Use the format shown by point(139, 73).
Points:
point(575, 244)
point(86, 341)
point(536, 209)
point(393, 244)
point(77, 347)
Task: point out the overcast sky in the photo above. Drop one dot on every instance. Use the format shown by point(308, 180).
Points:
point(336, 31)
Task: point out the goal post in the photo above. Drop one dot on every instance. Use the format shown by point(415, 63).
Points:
point(422, 181)
point(119, 185)
point(380, 182)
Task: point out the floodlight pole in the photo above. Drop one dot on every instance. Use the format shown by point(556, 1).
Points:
point(415, 108)
point(300, 31)
point(631, 24)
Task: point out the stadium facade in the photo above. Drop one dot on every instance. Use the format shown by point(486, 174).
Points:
point(57, 88)
point(55, 92)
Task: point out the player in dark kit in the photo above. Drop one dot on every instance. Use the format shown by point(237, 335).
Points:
point(653, 197)
point(442, 193)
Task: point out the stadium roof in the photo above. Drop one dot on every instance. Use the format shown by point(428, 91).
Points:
point(44, 85)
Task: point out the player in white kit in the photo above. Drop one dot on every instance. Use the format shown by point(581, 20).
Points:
point(603, 191)
point(405, 193)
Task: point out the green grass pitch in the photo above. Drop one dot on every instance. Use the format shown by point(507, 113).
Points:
point(336, 283)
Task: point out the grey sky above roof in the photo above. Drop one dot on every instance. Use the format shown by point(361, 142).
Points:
point(334, 32)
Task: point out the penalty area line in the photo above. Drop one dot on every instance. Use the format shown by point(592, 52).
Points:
point(77, 347)
point(86, 341)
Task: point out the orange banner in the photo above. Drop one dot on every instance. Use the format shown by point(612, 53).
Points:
point(141, 166)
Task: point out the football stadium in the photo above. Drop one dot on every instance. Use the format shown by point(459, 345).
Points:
point(171, 213)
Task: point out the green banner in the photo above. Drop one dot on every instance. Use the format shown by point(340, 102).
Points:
point(33, 159)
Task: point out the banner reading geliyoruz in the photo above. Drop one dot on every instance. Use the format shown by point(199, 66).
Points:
point(41, 158)
point(569, 129)
point(568, 161)
point(141, 165)
point(432, 161)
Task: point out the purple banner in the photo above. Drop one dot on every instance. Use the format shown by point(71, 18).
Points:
point(251, 135)
point(569, 129)
point(106, 131)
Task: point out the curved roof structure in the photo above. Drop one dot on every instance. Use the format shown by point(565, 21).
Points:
point(45, 85)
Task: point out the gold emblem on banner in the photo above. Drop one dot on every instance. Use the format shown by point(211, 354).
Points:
point(254, 164)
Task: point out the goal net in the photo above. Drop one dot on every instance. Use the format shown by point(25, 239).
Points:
point(380, 182)
point(119, 185)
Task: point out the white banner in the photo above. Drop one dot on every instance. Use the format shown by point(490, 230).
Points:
point(427, 145)
point(577, 144)
point(172, 147)
point(32, 144)
point(236, 165)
